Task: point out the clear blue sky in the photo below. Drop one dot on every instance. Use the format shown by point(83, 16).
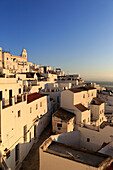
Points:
point(76, 35)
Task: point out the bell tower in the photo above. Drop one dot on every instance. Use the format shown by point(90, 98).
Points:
point(24, 54)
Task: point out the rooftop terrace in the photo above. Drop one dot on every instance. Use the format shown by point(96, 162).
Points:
point(78, 154)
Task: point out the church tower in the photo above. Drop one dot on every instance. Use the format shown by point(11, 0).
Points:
point(24, 54)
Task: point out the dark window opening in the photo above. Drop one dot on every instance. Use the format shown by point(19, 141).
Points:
point(0, 95)
point(19, 91)
point(88, 139)
point(19, 113)
point(59, 125)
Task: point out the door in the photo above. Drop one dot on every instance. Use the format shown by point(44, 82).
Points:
point(17, 154)
point(10, 97)
point(34, 131)
point(10, 94)
point(0, 95)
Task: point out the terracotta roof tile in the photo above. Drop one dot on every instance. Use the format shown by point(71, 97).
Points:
point(85, 88)
point(81, 107)
point(98, 100)
point(33, 96)
point(63, 114)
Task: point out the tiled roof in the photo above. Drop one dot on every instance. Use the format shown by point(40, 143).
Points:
point(33, 96)
point(85, 88)
point(63, 114)
point(81, 107)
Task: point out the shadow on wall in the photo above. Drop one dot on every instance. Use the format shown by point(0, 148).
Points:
point(69, 138)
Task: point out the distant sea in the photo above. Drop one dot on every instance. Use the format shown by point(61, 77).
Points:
point(106, 84)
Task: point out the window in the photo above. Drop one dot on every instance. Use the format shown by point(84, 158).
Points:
point(30, 109)
point(19, 91)
point(100, 120)
point(19, 114)
point(7, 58)
point(100, 112)
point(25, 133)
point(92, 94)
point(88, 119)
point(36, 106)
point(59, 125)
point(88, 139)
point(40, 104)
point(30, 137)
point(83, 95)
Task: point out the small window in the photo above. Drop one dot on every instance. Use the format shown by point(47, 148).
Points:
point(19, 113)
point(19, 91)
point(83, 95)
point(40, 104)
point(36, 106)
point(30, 109)
point(59, 125)
point(7, 58)
point(92, 94)
point(88, 119)
point(88, 139)
point(100, 112)
point(100, 120)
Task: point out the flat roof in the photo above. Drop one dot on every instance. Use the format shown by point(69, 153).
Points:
point(81, 107)
point(78, 154)
point(80, 89)
point(63, 114)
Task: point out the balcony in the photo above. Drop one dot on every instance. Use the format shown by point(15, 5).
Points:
point(6, 103)
point(12, 101)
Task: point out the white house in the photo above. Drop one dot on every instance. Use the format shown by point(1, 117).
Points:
point(55, 155)
point(63, 121)
point(21, 122)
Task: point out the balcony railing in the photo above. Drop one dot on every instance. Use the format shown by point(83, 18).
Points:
point(6, 103)
point(9, 102)
point(19, 99)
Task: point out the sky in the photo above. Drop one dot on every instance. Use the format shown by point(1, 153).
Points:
point(75, 35)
